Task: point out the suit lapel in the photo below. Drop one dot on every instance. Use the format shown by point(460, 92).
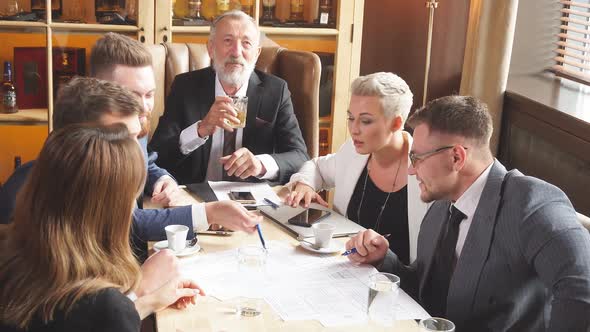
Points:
point(428, 238)
point(463, 287)
point(204, 97)
point(254, 93)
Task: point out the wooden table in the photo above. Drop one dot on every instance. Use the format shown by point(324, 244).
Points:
point(210, 314)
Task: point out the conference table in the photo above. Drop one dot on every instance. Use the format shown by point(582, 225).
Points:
point(210, 314)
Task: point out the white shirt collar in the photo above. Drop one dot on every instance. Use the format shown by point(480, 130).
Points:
point(467, 203)
point(220, 92)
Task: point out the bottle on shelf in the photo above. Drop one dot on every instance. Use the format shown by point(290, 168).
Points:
point(8, 92)
point(326, 16)
point(296, 11)
point(268, 12)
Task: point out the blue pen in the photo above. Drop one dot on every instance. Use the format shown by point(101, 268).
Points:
point(273, 204)
point(353, 250)
point(260, 235)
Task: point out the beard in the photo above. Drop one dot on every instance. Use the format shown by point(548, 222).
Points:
point(234, 77)
point(145, 125)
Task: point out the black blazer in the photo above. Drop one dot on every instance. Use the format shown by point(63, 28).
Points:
point(105, 311)
point(271, 125)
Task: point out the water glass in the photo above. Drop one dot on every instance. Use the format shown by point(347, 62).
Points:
point(252, 269)
point(383, 292)
point(435, 324)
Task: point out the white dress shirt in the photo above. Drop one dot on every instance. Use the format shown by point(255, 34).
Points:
point(198, 213)
point(190, 141)
point(467, 204)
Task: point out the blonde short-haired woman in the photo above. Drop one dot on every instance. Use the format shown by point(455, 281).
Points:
point(369, 172)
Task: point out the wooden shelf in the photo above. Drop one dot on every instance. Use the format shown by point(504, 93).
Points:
point(299, 31)
point(27, 117)
point(267, 30)
point(191, 29)
point(22, 24)
point(57, 26)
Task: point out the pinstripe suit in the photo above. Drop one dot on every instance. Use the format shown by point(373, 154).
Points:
point(525, 265)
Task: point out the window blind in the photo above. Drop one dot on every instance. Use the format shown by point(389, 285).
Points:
point(572, 52)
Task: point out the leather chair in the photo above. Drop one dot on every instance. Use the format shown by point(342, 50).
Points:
point(300, 69)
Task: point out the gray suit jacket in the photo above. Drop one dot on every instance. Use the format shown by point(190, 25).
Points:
point(525, 265)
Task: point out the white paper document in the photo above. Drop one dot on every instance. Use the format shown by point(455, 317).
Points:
point(299, 285)
point(260, 191)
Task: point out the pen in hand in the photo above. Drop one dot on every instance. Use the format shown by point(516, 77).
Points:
point(353, 250)
point(260, 235)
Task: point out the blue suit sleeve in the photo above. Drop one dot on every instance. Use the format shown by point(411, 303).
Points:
point(10, 189)
point(154, 172)
point(148, 225)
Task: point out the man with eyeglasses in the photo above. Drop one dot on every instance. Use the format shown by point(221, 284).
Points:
point(497, 250)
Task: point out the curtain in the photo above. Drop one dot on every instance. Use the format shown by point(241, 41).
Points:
point(490, 34)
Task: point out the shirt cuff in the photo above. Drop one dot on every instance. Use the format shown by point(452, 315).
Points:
point(272, 169)
point(189, 139)
point(164, 177)
point(132, 296)
point(200, 223)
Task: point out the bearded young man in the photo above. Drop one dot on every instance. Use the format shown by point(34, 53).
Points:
point(194, 138)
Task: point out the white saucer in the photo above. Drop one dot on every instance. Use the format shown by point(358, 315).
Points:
point(184, 252)
point(334, 247)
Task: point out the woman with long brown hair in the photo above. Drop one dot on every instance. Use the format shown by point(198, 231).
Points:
point(65, 262)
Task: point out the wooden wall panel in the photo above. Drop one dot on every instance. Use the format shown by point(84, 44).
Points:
point(394, 39)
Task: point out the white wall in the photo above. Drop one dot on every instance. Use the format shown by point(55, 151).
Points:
point(537, 24)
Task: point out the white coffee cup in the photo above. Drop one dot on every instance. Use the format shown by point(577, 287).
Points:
point(176, 235)
point(323, 234)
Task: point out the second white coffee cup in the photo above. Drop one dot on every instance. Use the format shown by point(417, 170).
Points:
point(176, 236)
point(323, 234)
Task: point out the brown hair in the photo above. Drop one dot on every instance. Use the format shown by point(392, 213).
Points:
point(116, 49)
point(456, 115)
point(72, 220)
point(86, 99)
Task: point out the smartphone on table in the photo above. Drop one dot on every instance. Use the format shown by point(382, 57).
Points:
point(243, 197)
point(308, 217)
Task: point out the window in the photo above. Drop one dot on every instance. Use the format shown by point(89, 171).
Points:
point(573, 48)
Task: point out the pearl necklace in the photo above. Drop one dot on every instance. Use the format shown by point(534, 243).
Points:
point(358, 211)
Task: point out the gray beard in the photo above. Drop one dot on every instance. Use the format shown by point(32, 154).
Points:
point(236, 77)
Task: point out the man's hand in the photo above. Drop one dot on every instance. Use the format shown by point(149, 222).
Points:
point(157, 270)
point(370, 246)
point(221, 114)
point(232, 215)
point(305, 192)
point(243, 164)
point(164, 190)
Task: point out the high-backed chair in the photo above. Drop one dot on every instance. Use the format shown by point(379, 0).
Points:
point(300, 69)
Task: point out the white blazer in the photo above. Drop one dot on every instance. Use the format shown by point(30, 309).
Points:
point(341, 171)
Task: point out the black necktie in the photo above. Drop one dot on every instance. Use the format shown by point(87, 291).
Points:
point(444, 264)
point(229, 146)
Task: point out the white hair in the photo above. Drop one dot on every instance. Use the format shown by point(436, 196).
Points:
point(393, 92)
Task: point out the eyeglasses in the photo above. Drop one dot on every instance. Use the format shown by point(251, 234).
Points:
point(416, 157)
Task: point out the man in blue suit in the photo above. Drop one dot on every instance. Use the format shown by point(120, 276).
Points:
point(93, 100)
point(127, 62)
point(497, 250)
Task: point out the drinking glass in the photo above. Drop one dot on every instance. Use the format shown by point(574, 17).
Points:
point(252, 269)
point(241, 107)
point(435, 324)
point(383, 291)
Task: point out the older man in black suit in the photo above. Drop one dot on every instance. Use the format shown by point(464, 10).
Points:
point(195, 139)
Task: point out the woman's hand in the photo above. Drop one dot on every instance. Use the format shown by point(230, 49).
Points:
point(176, 293)
point(305, 193)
